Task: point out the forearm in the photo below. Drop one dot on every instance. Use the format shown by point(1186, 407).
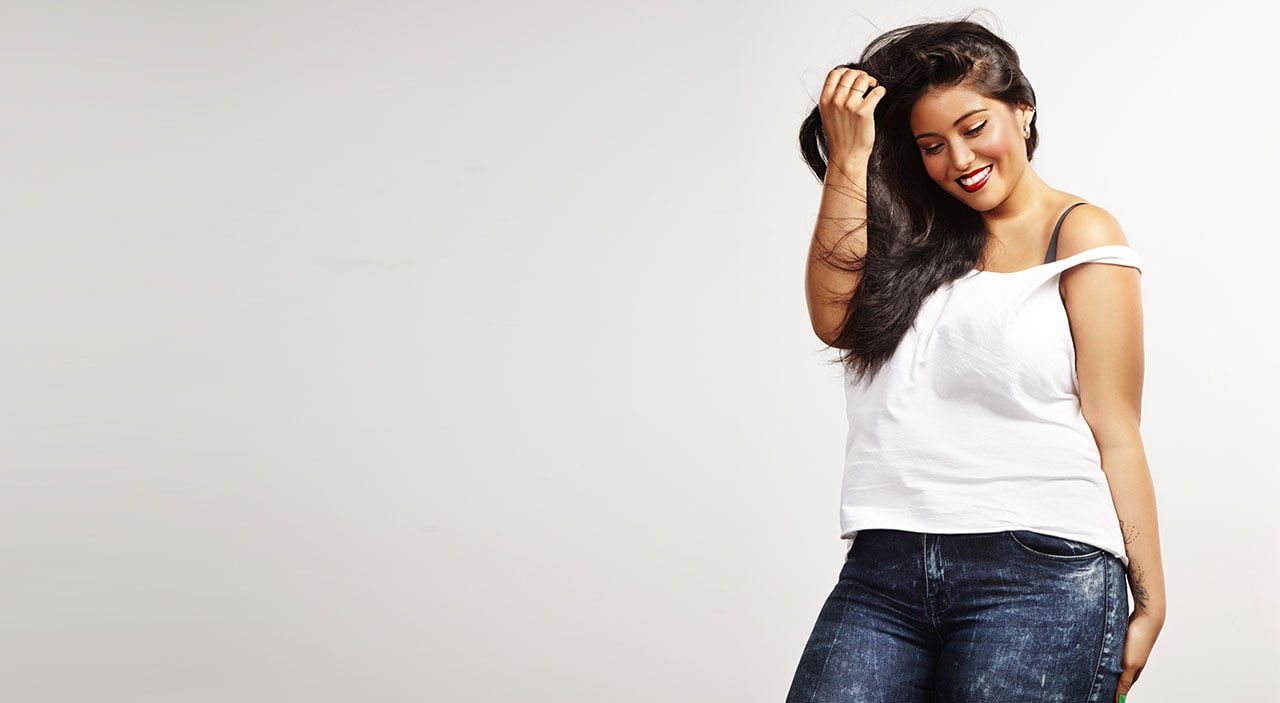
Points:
point(1134, 496)
point(839, 241)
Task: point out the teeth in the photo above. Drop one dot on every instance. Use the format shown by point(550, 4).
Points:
point(976, 177)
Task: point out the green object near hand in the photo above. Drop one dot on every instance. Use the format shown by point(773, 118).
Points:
point(1121, 698)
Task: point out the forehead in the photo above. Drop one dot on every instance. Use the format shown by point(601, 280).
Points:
point(937, 109)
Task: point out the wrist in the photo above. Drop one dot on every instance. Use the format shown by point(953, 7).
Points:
point(856, 161)
point(851, 169)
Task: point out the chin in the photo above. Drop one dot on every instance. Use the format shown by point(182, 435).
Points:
point(968, 200)
point(984, 200)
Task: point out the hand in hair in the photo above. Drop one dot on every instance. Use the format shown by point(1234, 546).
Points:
point(848, 108)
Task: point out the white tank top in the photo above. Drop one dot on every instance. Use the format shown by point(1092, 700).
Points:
point(974, 424)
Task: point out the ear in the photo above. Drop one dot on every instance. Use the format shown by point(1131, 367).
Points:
point(1025, 115)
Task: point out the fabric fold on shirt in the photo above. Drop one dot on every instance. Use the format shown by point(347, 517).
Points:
point(974, 424)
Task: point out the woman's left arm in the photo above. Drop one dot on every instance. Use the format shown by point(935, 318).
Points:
point(1104, 306)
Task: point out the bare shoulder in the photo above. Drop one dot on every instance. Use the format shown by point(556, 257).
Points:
point(1088, 227)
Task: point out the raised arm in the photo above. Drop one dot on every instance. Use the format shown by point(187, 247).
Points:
point(840, 236)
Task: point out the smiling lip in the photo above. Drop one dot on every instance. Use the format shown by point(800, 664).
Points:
point(981, 182)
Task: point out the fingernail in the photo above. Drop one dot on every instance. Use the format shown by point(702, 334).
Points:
point(1121, 698)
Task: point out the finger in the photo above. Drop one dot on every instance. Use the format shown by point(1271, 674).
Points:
point(872, 99)
point(833, 82)
point(858, 89)
point(865, 92)
point(1122, 688)
point(845, 85)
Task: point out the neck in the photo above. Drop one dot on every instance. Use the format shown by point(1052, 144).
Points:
point(1027, 203)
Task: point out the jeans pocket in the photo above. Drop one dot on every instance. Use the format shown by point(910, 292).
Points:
point(1052, 546)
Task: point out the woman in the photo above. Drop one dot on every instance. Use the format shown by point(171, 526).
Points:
point(996, 492)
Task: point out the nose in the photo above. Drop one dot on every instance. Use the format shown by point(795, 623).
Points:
point(961, 157)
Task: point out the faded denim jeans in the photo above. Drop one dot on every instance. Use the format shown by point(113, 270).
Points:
point(1006, 617)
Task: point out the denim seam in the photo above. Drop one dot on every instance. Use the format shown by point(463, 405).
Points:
point(1061, 557)
point(928, 600)
point(1095, 691)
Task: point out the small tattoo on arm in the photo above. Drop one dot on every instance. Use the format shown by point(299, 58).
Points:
point(1129, 532)
point(1137, 584)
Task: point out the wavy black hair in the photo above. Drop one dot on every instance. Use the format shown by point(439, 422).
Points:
point(918, 236)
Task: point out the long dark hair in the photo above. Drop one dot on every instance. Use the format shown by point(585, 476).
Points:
point(918, 236)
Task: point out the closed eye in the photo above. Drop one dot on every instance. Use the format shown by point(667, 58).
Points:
point(971, 133)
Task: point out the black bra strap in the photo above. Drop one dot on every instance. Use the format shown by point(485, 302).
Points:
point(1052, 254)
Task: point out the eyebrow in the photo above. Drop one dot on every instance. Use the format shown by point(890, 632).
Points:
point(963, 117)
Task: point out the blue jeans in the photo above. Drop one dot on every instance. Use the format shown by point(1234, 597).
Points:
point(1005, 617)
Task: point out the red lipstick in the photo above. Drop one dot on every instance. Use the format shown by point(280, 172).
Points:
point(977, 185)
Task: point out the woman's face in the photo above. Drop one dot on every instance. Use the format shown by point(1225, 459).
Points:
point(962, 133)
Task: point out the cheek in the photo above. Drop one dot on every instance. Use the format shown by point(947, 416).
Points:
point(936, 170)
point(1002, 149)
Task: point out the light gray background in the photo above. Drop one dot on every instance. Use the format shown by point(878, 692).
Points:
point(385, 351)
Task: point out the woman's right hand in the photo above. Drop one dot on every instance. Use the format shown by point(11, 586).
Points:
point(848, 114)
